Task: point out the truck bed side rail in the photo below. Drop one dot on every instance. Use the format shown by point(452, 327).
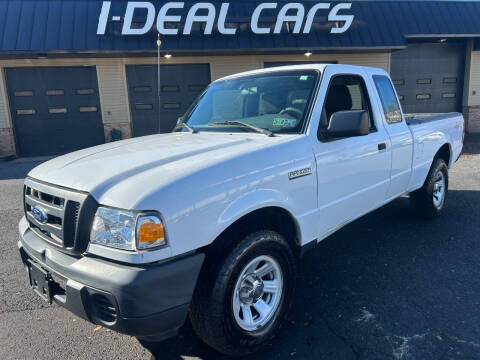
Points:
point(417, 119)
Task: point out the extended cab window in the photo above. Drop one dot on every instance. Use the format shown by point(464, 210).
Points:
point(277, 102)
point(390, 105)
point(345, 92)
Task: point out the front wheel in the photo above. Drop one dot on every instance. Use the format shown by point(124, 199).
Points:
point(429, 200)
point(239, 304)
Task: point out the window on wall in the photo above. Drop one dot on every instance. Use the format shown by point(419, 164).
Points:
point(84, 109)
point(450, 80)
point(142, 89)
point(85, 91)
point(61, 110)
point(55, 92)
point(23, 93)
point(170, 88)
point(390, 105)
point(144, 106)
point(26, 111)
point(449, 95)
point(171, 106)
point(424, 96)
point(424, 81)
point(196, 87)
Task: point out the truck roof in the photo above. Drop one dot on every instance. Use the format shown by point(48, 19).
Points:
point(320, 66)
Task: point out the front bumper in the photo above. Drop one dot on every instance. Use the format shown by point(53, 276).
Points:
point(149, 301)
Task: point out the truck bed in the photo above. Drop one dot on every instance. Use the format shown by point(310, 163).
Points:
point(417, 119)
point(429, 131)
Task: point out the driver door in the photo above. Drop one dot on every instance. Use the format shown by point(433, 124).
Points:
point(353, 172)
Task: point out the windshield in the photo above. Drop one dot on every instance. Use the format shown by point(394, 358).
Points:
point(277, 102)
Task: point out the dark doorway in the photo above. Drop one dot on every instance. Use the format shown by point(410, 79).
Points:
point(180, 86)
point(55, 110)
point(429, 77)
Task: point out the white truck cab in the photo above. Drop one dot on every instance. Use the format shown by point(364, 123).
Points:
point(209, 220)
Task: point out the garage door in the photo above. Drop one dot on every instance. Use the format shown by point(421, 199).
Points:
point(180, 86)
point(55, 110)
point(429, 77)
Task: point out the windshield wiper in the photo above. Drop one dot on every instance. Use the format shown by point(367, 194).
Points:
point(241, 123)
point(186, 126)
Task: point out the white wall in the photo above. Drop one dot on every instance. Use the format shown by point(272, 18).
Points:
point(474, 80)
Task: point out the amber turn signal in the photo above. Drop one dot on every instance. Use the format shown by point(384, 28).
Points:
point(150, 233)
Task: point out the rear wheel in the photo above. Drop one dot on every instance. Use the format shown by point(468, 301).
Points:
point(429, 200)
point(239, 304)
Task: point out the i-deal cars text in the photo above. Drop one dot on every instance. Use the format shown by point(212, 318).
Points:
point(209, 221)
point(206, 13)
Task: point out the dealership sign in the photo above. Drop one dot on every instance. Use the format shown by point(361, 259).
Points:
point(206, 13)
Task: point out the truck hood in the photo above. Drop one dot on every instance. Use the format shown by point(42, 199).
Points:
point(160, 158)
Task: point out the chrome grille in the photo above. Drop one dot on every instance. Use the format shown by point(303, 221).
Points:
point(60, 209)
point(53, 206)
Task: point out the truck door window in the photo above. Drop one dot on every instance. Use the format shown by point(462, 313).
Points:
point(390, 105)
point(346, 92)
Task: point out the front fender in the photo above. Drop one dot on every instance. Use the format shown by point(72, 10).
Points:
point(252, 201)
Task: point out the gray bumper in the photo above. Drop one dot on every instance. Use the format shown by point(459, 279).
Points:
point(141, 300)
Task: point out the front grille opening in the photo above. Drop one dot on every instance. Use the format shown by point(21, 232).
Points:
point(104, 309)
point(55, 200)
point(54, 220)
point(48, 198)
point(64, 210)
point(52, 237)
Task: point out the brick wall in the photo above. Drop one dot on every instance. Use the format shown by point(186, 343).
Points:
point(7, 146)
point(472, 118)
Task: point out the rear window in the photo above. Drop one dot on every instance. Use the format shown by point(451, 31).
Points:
point(390, 105)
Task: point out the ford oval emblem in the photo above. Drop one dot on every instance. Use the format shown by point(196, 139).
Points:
point(39, 214)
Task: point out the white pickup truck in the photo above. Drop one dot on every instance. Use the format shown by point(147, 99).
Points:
point(209, 220)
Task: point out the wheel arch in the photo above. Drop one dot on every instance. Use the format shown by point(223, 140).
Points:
point(274, 217)
point(445, 153)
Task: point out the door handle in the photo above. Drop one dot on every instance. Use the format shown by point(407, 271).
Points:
point(382, 146)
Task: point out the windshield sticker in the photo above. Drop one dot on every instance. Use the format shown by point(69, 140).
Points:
point(281, 122)
point(304, 77)
point(289, 123)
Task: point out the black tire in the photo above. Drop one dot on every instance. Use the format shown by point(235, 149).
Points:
point(422, 200)
point(211, 311)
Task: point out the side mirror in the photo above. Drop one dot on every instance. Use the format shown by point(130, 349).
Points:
point(348, 123)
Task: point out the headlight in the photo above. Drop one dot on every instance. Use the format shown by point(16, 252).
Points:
point(127, 230)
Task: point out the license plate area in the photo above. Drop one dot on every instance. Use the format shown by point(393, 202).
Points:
point(40, 280)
